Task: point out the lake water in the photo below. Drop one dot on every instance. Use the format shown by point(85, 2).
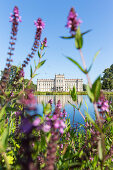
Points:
point(69, 109)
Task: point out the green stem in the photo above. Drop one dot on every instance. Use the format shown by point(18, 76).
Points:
point(6, 161)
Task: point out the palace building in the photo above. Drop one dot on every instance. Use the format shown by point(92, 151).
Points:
point(59, 84)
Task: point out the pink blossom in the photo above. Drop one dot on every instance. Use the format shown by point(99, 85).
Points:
point(15, 17)
point(61, 130)
point(29, 100)
point(54, 117)
point(36, 122)
point(39, 24)
point(57, 124)
point(44, 44)
point(62, 124)
point(59, 105)
point(61, 146)
point(103, 105)
point(91, 159)
point(46, 128)
point(73, 22)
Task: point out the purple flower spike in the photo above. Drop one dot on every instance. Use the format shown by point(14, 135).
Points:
point(73, 22)
point(15, 17)
point(36, 122)
point(44, 44)
point(59, 105)
point(39, 24)
point(103, 105)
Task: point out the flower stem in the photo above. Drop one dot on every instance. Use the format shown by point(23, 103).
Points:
point(90, 85)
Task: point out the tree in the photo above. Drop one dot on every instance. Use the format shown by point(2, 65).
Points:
point(107, 78)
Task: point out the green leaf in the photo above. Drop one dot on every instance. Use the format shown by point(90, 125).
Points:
point(43, 54)
point(72, 105)
point(77, 64)
point(73, 36)
point(3, 97)
point(94, 60)
point(108, 126)
point(90, 94)
point(39, 54)
point(2, 112)
point(35, 63)
point(80, 105)
point(11, 109)
point(100, 150)
point(4, 137)
point(81, 153)
point(40, 64)
point(73, 94)
point(78, 39)
point(34, 75)
point(97, 53)
point(31, 71)
point(86, 32)
point(68, 37)
point(94, 92)
point(96, 88)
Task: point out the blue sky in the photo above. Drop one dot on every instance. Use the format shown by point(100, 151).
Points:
point(95, 14)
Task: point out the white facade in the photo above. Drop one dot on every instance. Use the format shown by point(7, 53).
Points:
point(59, 84)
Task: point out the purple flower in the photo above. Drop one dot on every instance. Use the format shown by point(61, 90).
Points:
point(103, 105)
point(39, 24)
point(15, 17)
point(17, 113)
point(57, 124)
point(91, 159)
point(54, 117)
point(44, 44)
point(36, 122)
point(26, 125)
point(62, 124)
point(29, 101)
point(61, 130)
point(73, 22)
point(46, 128)
point(61, 146)
point(12, 94)
point(64, 113)
point(59, 105)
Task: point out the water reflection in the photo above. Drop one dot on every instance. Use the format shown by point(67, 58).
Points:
point(69, 109)
point(63, 99)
